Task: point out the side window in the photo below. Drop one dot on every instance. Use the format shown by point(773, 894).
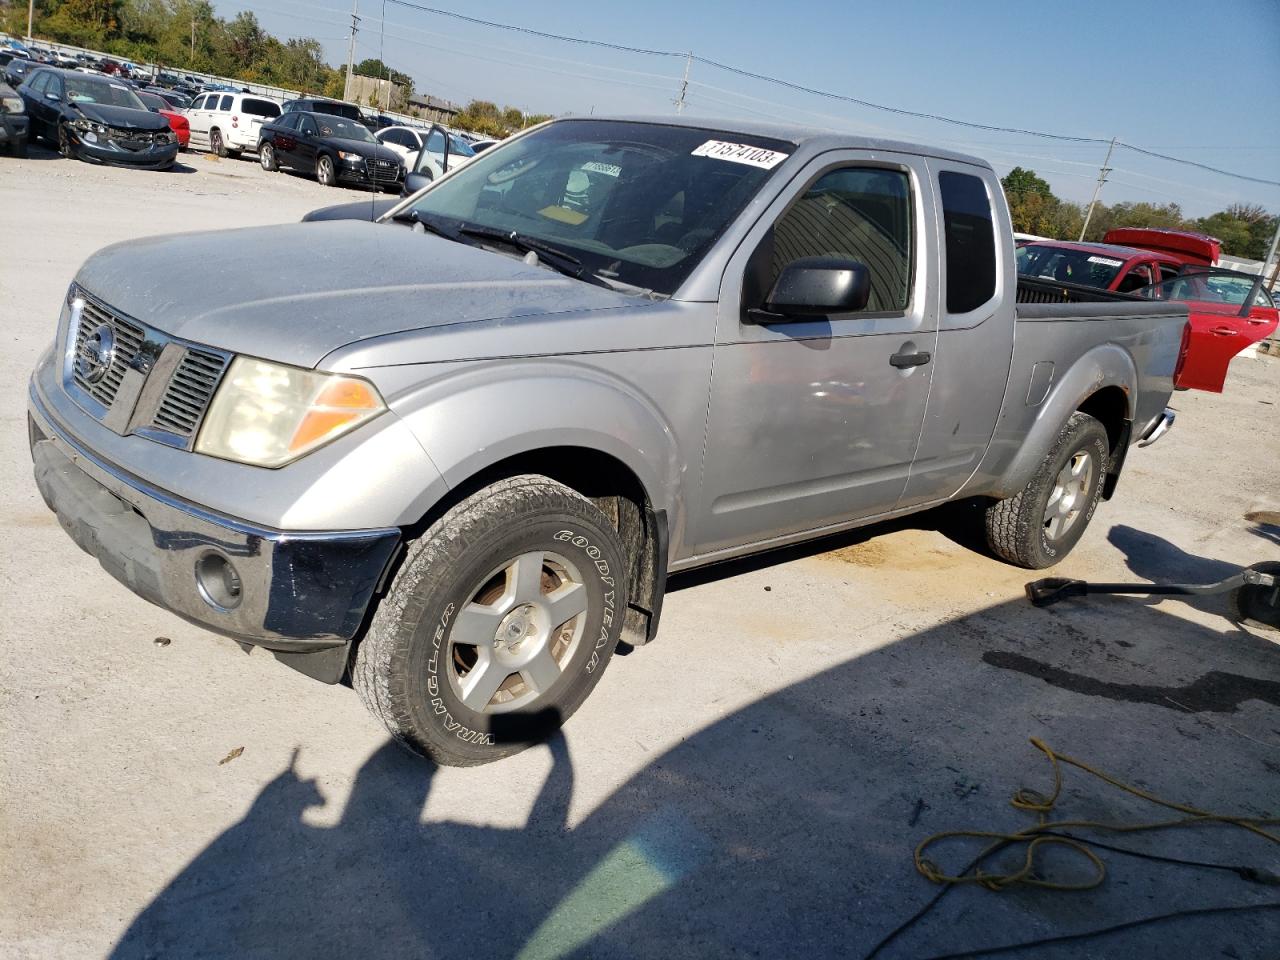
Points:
point(226, 102)
point(435, 142)
point(40, 84)
point(971, 242)
point(1139, 276)
point(198, 103)
point(307, 126)
point(259, 108)
point(856, 213)
point(1169, 270)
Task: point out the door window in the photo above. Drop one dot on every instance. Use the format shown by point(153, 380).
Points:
point(199, 103)
point(226, 102)
point(307, 126)
point(971, 242)
point(435, 142)
point(855, 213)
point(40, 84)
point(1138, 277)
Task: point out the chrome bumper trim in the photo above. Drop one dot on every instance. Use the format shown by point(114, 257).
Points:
point(1158, 428)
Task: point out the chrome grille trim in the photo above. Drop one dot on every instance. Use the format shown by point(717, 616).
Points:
point(190, 390)
point(169, 411)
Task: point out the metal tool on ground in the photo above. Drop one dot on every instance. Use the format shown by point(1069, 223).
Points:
point(1254, 592)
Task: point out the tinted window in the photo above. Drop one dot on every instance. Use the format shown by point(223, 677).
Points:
point(152, 102)
point(858, 213)
point(971, 242)
point(38, 83)
point(307, 125)
point(259, 108)
point(401, 138)
point(289, 121)
point(198, 103)
point(342, 128)
point(226, 102)
point(1089, 267)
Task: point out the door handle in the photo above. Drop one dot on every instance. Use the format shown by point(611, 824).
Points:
point(1224, 331)
point(904, 360)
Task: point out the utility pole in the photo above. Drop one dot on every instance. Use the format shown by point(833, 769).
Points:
point(191, 59)
point(31, 15)
point(351, 47)
point(684, 82)
point(1102, 178)
point(1275, 243)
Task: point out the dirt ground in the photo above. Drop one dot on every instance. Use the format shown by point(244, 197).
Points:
point(752, 784)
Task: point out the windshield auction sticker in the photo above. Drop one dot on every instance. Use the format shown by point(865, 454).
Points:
point(1106, 261)
point(740, 153)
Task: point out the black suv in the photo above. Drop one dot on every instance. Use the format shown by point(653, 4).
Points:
point(332, 108)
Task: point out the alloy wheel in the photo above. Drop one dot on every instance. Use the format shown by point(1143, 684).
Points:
point(522, 624)
point(1069, 496)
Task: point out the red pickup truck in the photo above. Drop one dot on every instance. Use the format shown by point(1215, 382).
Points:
point(1168, 265)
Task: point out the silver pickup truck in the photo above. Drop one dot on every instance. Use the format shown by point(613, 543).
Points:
point(454, 454)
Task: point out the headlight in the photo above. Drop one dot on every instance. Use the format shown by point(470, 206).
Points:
point(350, 157)
point(13, 105)
point(267, 414)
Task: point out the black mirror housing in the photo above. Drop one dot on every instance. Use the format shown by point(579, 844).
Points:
point(818, 286)
point(413, 182)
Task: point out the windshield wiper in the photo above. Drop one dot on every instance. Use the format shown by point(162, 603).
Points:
point(412, 217)
point(553, 257)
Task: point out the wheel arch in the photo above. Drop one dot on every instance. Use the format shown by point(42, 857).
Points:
point(1103, 383)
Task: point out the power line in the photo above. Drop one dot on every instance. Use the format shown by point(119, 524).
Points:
point(827, 94)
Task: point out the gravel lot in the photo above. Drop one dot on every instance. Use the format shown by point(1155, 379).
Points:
point(751, 785)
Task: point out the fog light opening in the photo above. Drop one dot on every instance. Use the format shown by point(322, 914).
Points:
point(218, 582)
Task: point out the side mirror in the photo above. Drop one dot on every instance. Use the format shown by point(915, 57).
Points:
point(51, 96)
point(814, 287)
point(413, 182)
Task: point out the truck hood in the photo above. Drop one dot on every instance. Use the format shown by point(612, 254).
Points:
point(297, 292)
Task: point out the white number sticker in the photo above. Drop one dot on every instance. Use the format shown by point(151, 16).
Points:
point(740, 153)
point(1106, 261)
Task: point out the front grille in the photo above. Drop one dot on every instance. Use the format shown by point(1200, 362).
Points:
point(386, 170)
point(190, 389)
point(128, 340)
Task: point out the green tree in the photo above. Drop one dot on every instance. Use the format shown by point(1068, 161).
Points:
point(1244, 229)
point(373, 67)
point(1032, 205)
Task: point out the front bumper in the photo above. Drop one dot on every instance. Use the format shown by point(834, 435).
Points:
point(13, 127)
point(298, 592)
point(153, 158)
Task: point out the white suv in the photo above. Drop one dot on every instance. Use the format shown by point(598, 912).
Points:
point(410, 143)
point(227, 123)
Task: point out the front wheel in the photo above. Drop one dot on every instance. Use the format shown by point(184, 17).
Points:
point(216, 146)
point(499, 623)
point(325, 172)
point(267, 157)
point(64, 141)
point(1038, 526)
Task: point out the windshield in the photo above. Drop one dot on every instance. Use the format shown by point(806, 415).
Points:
point(1208, 286)
point(152, 102)
point(343, 128)
point(1067, 265)
point(638, 203)
point(82, 88)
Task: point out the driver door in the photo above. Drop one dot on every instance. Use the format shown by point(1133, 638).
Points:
point(816, 423)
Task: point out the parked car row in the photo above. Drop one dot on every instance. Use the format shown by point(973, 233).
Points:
point(1229, 310)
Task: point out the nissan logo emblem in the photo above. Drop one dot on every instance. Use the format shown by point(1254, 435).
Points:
point(96, 353)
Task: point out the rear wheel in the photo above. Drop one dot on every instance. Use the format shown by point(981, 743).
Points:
point(267, 157)
point(325, 172)
point(1040, 525)
point(498, 625)
point(216, 146)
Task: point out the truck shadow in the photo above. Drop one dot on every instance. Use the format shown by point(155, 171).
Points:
point(786, 828)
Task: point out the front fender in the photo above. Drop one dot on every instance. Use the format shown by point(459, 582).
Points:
point(1106, 365)
point(484, 413)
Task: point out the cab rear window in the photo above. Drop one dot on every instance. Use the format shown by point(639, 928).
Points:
point(971, 243)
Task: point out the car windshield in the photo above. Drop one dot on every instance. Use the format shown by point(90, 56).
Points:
point(637, 203)
point(82, 88)
point(1068, 265)
point(152, 102)
point(343, 129)
point(1208, 286)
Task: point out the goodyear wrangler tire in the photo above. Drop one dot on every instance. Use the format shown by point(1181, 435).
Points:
point(1038, 526)
point(499, 623)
